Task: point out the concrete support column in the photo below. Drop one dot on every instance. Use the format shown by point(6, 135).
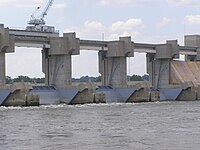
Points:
point(149, 65)
point(112, 63)
point(159, 68)
point(60, 71)
point(7, 45)
point(103, 68)
point(57, 69)
point(113, 70)
point(45, 65)
point(161, 73)
point(2, 69)
point(57, 63)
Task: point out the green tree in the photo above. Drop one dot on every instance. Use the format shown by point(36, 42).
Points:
point(98, 79)
point(22, 79)
point(136, 78)
point(8, 80)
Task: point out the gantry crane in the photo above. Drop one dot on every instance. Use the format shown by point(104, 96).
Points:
point(38, 24)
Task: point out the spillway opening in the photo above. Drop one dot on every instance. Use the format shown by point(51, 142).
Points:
point(136, 66)
point(24, 62)
point(85, 65)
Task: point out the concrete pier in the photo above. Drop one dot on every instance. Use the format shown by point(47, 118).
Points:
point(113, 70)
point(112, 63)
point(60, 74)
point(57, 60)
point(159, 64)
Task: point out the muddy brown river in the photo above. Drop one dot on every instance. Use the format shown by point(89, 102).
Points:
point(145, 126)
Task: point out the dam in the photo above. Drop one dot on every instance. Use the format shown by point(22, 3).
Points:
point(170, 79)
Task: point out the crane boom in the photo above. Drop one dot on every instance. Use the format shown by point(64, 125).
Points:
point(33, 15)
point(50, 3)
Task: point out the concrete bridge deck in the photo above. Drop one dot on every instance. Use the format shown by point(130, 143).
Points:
point(25, 38)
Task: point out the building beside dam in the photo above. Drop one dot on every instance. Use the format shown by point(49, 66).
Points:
point(170, 79)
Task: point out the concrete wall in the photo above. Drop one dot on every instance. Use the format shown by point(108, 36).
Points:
point(20, 98)
point(141, 95)
point(20, 95)
point(185, 72)
point(188, 94)
point(83, 97)
point(192, 40)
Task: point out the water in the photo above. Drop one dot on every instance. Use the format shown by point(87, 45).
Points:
point(146, 126)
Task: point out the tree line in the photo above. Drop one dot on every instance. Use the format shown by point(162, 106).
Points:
point(21, 78)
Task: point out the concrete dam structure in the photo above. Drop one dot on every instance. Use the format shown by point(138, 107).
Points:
point(170, 79)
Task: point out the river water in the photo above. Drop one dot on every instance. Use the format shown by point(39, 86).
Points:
point(145, 126)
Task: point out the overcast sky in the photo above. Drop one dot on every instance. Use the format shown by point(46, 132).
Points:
point(146, 21)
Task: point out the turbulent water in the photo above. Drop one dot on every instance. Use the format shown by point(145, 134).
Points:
point(146, 126)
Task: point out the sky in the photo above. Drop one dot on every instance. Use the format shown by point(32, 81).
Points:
point(146, 21)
